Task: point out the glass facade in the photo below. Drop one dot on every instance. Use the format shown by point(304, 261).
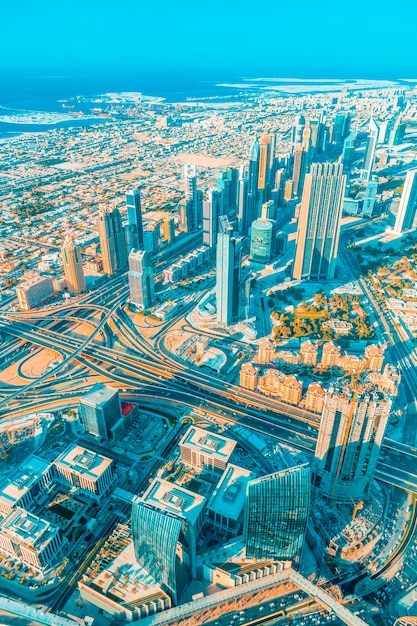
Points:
point(261, 241)
point(134, 219)
point(276, 515)
point(155, 537)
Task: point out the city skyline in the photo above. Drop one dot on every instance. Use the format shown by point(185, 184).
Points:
point(208, 323)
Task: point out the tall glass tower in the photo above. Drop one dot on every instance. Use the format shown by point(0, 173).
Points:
point(276, 515)
point(134, 220)
point(407, 211)
point(141, 280)
point(319, 222)
point(228, 262)
point(112, 241)
point(155, 538)
point(212, 209)
point(370, 149)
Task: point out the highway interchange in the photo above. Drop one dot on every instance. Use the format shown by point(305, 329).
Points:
point(116, 353)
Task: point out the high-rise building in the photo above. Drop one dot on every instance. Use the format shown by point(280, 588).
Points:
point(268, 210)
point(212, 209)
point(227, 184)
point(228, 265)
point(397, 132)
point(190, 215)
point(299, 169)
point(370, 196)
point(297, 132)
point(100, 410)
point(341, 127)
point(406, 219)
point(254, 168)
point(348, 154)
point(156, 536)
point(243, 217)
point(351, 430)
point(112, 241)
point(319, 222)
point(166, 522)
point(264, 149)
point(141, 280)
point(34, 291)
point(276, 515)
point(134, 229)
point(169, 229)
point(262, 240)
point(73, 267)
point(370, 149)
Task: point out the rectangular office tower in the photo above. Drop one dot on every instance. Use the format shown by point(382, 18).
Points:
point(228, 261)
point(134, 229)
point(276, 515)
point(351, 430)
point(141, 280)
point(100, 410)
point(112, 241)
point(407, 211)
point(319, 223)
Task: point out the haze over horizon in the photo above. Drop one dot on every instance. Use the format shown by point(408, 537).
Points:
point(318, 40)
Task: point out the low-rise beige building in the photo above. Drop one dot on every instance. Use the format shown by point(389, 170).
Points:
point(315, 398)
point(308, 353)
point(266, 351)
point(249, 376)
point(330, 355)
point(374, 356)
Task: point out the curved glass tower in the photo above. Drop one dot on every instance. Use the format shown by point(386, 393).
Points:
point(276, 515)
point(155, 536)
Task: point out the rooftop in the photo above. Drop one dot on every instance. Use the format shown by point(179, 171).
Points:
point(26, 528)
point(13, 489)
point(208, 443)
point(84, 461)
point(99, 394)
point(175, 499)
point(229, 497)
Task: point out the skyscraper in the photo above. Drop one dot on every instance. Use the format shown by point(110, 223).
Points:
point(299, 169)
point(348, 154)
point(243, 217)
point(228, 262)
point(155, 538)
point(165, 525)
point(351, 430)
point(297, 132)
point(73, 267)
point(370, 195)
point(100, 410)
point(134, 229)
point(141, 280)
point(370, 149)
point(254, 168)
point(112, 241)
point(262, 240)
point(190, 215)
point(319, 222)
point(212, 209)
point(341, 127)
point(276, 515)
point(406, 219)
point(264, 149)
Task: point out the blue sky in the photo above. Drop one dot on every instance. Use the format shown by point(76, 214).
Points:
point(258, 37)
